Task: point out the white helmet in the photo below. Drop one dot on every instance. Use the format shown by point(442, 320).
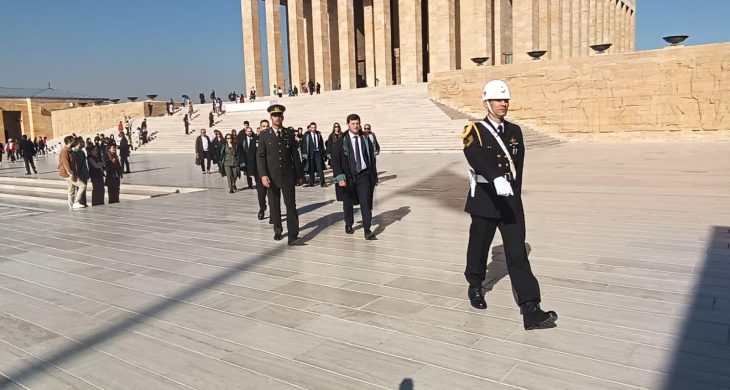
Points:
point(496, 89)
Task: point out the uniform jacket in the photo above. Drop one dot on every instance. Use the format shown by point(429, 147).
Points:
point(343, 163)
point(278, 158)
point(487, 159)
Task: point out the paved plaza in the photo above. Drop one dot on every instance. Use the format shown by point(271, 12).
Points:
point(189, 291)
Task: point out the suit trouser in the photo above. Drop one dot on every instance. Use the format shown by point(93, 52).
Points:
point(29, 163)
point(292, 217)
point(231, 175)
point(203, 159)
point(364, 189)
point(261, 192)
point(481, 234)
point(315, 163)
point(125, 162)
point(75, 190)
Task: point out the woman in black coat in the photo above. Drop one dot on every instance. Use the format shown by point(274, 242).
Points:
point(114, 174)
point(96, 174)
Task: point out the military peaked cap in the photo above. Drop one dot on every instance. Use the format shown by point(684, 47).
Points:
point(276, 109)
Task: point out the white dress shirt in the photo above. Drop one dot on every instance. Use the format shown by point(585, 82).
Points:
point(362, 155)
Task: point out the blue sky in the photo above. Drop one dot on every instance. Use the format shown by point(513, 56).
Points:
point(173, 47)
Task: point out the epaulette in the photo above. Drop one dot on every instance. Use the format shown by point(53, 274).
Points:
point(467, 135)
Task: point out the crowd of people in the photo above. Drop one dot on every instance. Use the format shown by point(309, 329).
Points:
point(25, 150)
point(101, 161)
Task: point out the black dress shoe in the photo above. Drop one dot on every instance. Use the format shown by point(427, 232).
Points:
point(261, 215)
point(322, 185)
point(476, 297)
point(349, 230)
point(533, 317)
point(278, 236)
point(369, 235)
point(230, 191)
point(293, 242)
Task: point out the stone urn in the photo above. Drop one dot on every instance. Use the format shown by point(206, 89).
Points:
point(536, 54)
point(151, 97)
point(601, 47)
point(132, 98)
point(479, 60)
point(115, 101)
point(675, 40)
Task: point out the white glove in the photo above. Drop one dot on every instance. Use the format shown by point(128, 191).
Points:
point(502, 186)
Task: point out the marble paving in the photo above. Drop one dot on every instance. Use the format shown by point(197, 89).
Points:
point(189, 291)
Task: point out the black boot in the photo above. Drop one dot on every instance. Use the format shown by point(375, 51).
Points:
point(533, 317)
point(476, 297)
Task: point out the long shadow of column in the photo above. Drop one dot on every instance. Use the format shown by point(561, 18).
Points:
point(701, 356)
point(67, 353)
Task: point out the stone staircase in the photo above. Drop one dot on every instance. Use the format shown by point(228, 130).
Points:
point(403, 117)
point(46, 194)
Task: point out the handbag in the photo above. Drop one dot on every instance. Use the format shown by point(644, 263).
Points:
point(197, 159)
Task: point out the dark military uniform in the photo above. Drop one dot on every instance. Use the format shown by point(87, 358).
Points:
point(490, 211)
point(278, 158)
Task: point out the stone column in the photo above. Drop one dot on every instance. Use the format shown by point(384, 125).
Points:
point(273, 43)
point(621, 28)
point(497, 29)
point(297, 42)
point(604, 22)
point(476, 21)
point(566, 27)
point(522, 30)
point(369, 43)
point(252, 45)
point(632, 43)
point(382, 44)
point(321, 43)
point(442, 38)
point(346, 25)
point(575, 23)
point(584, 22)
point(555, 24)
point(411, 51)
point(592, 22)
point(543, 28)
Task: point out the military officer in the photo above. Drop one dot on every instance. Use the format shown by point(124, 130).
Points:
point(280, 170)
point(495, 151)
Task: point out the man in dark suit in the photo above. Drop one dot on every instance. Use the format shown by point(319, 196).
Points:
point(355, 172)
point(495, 151)
point(280, 170)
point(27, 150)
point(249, 143)
point(124, 153)
point(313, 151)
point(202, 151)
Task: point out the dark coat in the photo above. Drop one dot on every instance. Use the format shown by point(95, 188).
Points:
point(487, 159)
point(124, 148)
point(279, 158)
point(343, 165)
point(215, 149)
point(249, 155)
point(27, 148)
point(308, 148)
point(114, 172)
point(199, 147)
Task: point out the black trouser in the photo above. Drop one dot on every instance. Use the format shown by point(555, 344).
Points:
point(315, 163)
point(231, 175)
point(187, 129)
point(249, 178)
point(203, 159)
point(29, 163)
point(292, 217)
point(481, 234)
point(97, 192)
point(261, 192)
point(113, 188)
point(125, 163)
point(364, 189)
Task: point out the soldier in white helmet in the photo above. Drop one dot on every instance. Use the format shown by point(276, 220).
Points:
point(495, 151)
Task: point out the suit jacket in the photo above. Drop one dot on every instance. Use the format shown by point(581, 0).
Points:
point(248, 150)
point(27, 148)
point(199, 147)
point(308, 148)
point(123, 148)
point(343, 165)
point(278, 158)
point(487, 159)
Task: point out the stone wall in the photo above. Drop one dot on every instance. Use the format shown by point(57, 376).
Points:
point(86, 120)
point(40, 123)
point(675, 91)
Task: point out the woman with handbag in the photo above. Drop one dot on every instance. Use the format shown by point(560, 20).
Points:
point(229, 162)
point(113, 174)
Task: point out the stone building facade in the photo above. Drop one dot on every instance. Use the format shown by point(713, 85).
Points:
point(345, 44)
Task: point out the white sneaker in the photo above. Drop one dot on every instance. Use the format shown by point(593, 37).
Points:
point(77, 206)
